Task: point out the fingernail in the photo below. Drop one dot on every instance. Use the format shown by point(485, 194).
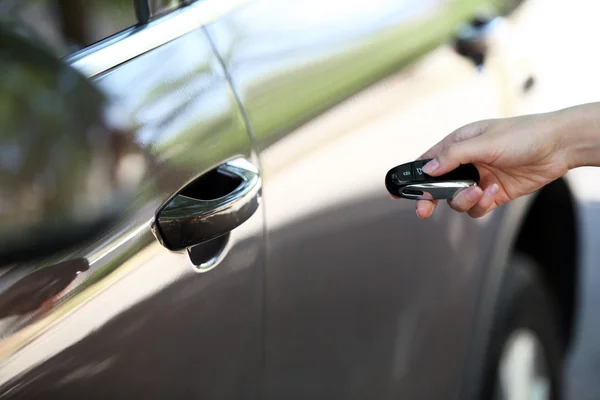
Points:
point(431, 166)
point(473, 194)
point(492, 190)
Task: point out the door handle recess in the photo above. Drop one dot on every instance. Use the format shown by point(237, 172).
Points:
point(210, 206)
point(477, 38)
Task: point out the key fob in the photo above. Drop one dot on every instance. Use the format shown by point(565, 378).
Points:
point(410, 182)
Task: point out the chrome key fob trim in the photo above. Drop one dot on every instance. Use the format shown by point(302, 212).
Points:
point(408, 181)
point(434, 191)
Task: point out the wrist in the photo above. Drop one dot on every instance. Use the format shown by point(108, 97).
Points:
point(576, 131)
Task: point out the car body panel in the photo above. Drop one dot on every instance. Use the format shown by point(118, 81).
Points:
point(363, 299)
point(139, 322)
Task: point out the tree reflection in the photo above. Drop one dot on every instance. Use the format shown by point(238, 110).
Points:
point(69, 25)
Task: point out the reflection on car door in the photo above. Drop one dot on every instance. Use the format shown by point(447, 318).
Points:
point(135, 320)
point(363, 299)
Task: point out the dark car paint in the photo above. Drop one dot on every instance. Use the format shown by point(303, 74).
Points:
point(363, 300)
point(139, 322)
point(331, 290)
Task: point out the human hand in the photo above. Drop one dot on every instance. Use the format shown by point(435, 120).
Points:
point(514, 156)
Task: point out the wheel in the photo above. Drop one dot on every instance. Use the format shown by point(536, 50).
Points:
point(525, 352)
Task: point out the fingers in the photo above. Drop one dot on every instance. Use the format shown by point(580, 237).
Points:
point(432, 152)
point(425, 208)
point(466, 199)
point(469, 151)
point(474, 201)
point(460, 147)
point(487, 202)
point(463, 133)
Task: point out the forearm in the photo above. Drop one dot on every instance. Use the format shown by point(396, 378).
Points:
point(578, 134)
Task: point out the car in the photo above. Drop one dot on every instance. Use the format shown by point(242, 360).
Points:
point(194, 204)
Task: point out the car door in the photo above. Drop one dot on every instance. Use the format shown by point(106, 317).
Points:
point(132, 319)
point(363, 299)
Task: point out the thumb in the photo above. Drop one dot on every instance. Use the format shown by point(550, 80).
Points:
point(451, 157)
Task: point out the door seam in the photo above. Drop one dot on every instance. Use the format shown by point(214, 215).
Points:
point(256, 153)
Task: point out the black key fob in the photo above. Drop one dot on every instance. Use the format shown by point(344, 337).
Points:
point(410, 182)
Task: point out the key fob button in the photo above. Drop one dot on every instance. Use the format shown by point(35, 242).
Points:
point(404, 173)
point(418, 174)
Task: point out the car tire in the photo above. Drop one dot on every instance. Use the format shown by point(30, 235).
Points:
point(525, 351)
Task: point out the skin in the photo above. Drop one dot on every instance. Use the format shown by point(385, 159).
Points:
point(515, 156)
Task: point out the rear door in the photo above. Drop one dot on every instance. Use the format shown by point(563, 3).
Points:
point(133, 319)
point(364, 300)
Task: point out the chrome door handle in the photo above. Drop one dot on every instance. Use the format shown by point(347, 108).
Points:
point(209, 207)
point(472, 40)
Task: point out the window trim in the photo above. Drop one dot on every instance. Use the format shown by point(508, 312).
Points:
point(133, 42)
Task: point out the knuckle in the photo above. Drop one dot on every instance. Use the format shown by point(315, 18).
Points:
point(462, 202)
point(461, 134)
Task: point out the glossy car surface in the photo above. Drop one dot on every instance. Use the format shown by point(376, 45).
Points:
point(328, 288)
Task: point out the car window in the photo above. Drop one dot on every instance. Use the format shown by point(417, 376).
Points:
point(159, 7)
point(69, 25)
point(150, 9)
